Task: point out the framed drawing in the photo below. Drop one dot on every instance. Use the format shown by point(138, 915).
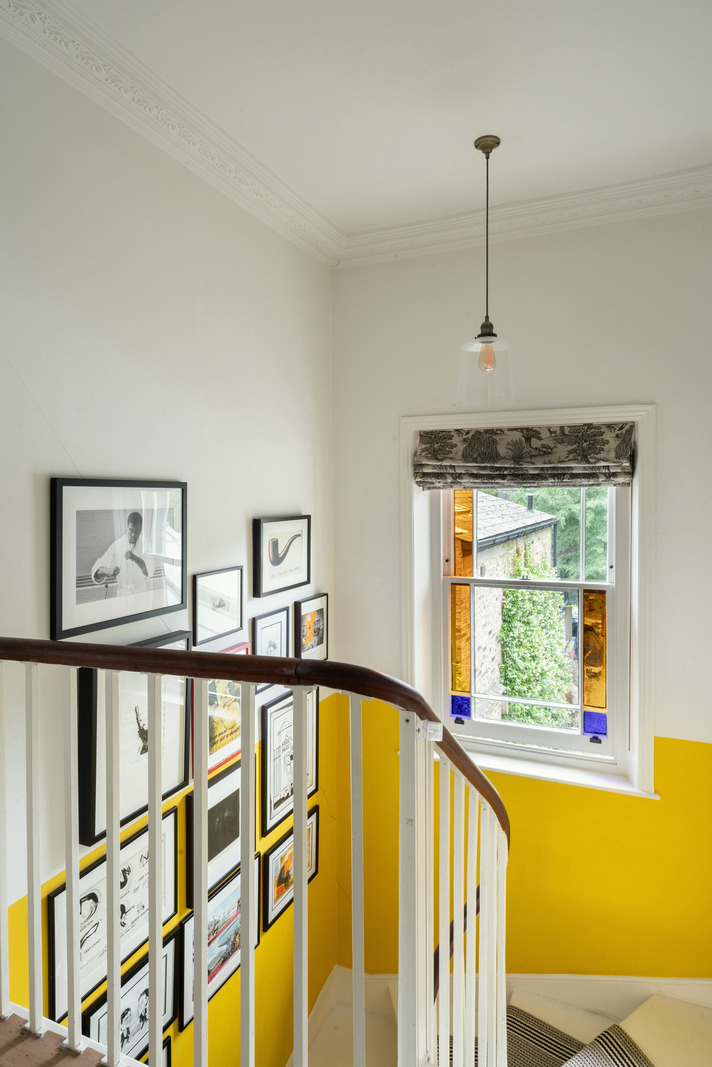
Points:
point(278, 757)
point(224, 715)
point(311, 627)
point(279, 870)
point(223, 940)
point(282, 553)
point(270, 636)
point(223, 829)
point(134, 1004)
point(166, 1053)
point(217, 604)
point(133, 740)
point(133, 917)
point(118, 552)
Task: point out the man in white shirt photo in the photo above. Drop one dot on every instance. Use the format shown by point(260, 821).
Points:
point(126, 564)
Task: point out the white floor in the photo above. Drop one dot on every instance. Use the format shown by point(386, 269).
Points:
point(333, 1045)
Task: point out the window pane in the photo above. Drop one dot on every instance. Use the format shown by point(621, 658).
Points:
point(462, 527)
point(594, 649)
point(529, 714)
point(596, 534)
point(549, 519)
point(460, 638)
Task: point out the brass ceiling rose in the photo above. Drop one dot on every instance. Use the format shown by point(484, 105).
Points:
point(487, 143)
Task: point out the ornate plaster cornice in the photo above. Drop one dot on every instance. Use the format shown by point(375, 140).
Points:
point(96, 66)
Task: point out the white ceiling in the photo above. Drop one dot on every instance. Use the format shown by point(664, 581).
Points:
point(353, 116)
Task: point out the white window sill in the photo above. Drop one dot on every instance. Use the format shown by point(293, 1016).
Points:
point(548, 772)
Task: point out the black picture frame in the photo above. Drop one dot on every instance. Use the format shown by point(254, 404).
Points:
point(281, 554)
point(278, 873)
point(277, 757)
point(133, 704)
point(224, 800)
point(270, 636)
point(93, 583)
point(92, 889)
point(225, 898)
point(311, 627)
point(167, 1054)
point(134, 999)
point(217, 602)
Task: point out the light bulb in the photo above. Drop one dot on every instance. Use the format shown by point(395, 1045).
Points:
point(487, 361)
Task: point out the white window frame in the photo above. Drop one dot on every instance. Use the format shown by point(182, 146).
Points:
point(425, 650)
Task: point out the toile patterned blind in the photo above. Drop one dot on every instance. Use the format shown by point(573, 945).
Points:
point(584, 454)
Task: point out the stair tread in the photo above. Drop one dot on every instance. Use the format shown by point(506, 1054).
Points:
point(671, 1032)
point(20, 1048)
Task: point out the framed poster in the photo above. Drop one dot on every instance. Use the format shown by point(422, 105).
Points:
point(311, 627)
point(133, 916)
point(282, 553)
point(270, 636)
point(279, 870)
point(118, 552)
point(133, 740)
point(278, 757)
point(223, 940)
point(217, 604)
point(223, 829)
point(134, 1005)
point(166, 1053)
point(224, 742)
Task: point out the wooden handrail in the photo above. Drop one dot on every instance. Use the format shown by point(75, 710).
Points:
point(276, 670)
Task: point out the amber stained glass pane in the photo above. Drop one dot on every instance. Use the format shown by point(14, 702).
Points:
point(595, 653)
point(460, 638)
point(462, 526)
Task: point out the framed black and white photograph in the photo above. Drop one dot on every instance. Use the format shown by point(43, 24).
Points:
point(278, 757)
point(223, 829)
point(279, 870)
point(282, 553)
point(224, 741)
point(311, 627)
point(118, 552)
point(217, 604)
point(224, 910)
point(270, 636)
point(133, 740)
point(134, 1005)
point(133, 913)
point(165, 1053)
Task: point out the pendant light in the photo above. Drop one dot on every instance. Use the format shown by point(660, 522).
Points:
point(485, 377)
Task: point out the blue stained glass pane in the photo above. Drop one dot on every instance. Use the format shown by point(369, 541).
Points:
point(595, 722)
point(461, 708)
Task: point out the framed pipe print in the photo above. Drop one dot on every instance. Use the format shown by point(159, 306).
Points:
point(279, 870)
point(278, 756)
point(133, 740)
point(118, 552)
point(281, 553)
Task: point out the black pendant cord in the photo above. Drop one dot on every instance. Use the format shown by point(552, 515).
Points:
point(487, 236)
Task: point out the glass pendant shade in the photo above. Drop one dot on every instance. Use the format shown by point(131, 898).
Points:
point(482, 389)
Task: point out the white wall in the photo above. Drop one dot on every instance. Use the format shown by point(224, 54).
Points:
point(613, 314)
point(150, 328)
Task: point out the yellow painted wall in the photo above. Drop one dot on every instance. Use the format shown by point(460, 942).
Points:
point(273, 960)
point(598, 883)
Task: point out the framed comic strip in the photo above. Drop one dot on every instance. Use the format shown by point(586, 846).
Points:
point(133, 740)
point(311, 627)
point(165, 1053)
point(217, 604)
point(134, 1005)
point(278, 757)
point(281, 553)
point(118, 552)
point(223, 940)
point(224, 742)
point(133, 917)
point(278, 877)
point(270, 636)
point(223, 829)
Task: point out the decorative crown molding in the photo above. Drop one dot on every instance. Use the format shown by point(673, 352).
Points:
point(99, 68)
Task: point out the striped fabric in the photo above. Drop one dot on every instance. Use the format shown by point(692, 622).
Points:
point(533, 1043)
point(612, 1048)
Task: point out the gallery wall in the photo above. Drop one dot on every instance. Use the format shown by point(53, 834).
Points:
point(151, 329)
point(589, 314)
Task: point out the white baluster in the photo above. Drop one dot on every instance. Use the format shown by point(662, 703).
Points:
point(200, 873)
point(484, 990)
point(501, 948)
point(471, 960)
point(34, 878)
point(301, 933)
point(357, 888)
point(71, 850)
point(492, 938)
point(4, 945)
point(458, 909)
point(444, 914)
point(248, 902)
point(113, 863)
point(407, 895)
point(155, 869)
point(429, 867)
